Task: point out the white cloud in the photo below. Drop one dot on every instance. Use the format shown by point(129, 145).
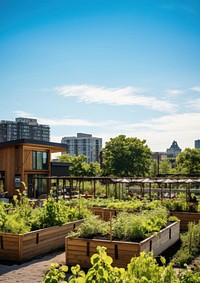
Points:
point(23, 114)
point(174, 92)
point(166, 124)
point(159, 133)
point(115, 96)
point(194, 104)
point(77, 122)
point(196, 88)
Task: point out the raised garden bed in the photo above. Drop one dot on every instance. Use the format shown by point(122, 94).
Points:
point(104, 213)
point(186, 217)
point(79, 250)
point(20, 247)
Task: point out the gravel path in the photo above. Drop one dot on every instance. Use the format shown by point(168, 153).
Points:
point(31, 271)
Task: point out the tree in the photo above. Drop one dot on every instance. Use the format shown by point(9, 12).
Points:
point(126, 157)
point(188, 161)
point(153, 170)
point(65, 158)
point(79, 166)
point(94, 169)
point(165, 167)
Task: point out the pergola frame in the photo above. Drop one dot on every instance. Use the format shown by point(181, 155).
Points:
point(60, 182)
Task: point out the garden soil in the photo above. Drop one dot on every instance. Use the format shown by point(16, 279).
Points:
point(31, 271)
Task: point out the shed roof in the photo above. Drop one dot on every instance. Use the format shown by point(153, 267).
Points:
point(55, 147)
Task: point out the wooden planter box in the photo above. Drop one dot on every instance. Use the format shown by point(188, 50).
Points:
point(185, 218)
point(79, 251)
point(104, 213)
point(20, 247)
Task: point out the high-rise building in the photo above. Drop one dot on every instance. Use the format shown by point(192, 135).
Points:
point(174, 150)
point(197, 143)
point(84, 144)
point(23, 128)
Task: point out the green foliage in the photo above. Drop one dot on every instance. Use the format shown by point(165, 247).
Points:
point(175, 205)
point(100, 202)
point(79, 166)
point(17, 217)
point(181, 205)
point(132, 205)
point(190, 246)
point(189, 276)
point(21, 216)
point(53, 213)
point(58, 212)
point(129, 227)
point(126, 226)
point(91, 227)
point(188, 161)
point(173, 219)
point(142, 269)
point(165, 167)
point(93, 169)
point(55, 273)
point(65, 158)
point(153, 171)
point(126, 157)
point(15, 224)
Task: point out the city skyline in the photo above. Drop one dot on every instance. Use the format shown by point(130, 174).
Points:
point(104, 68)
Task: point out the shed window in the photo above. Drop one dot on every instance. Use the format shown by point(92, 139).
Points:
point(40, 160)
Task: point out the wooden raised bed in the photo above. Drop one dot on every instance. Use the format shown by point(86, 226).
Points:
point(104, 213)
point(19, 247)
point(79, 250)
point(185, 218)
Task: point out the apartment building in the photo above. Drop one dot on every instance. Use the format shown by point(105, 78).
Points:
point(23, 128)
point(197, 143)
point(84, 144)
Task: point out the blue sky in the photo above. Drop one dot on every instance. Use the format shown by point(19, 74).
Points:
point(103, 67)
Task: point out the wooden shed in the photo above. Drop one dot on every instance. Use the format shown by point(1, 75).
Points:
point(23, 160)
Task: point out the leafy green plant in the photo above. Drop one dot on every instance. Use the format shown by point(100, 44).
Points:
point(129, 227)
point(190, 276)
point(142, 269)
point(190, 246)
point(55, 273)
point(175, 205)
point(91, 227)
point(173, 219)
point(21, 216)
point(126, 226)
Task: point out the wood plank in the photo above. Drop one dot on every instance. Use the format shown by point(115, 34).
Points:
point(27, 245)
point(122, 252)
